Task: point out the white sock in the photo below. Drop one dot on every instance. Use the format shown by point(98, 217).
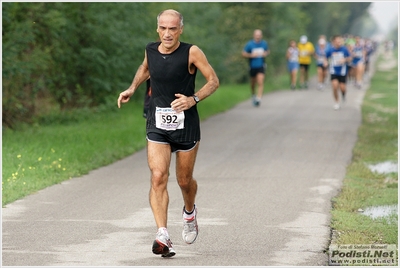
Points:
point(163, 230)
point(186, 215)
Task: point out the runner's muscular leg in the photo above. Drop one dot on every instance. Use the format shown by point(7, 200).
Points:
point(335, 88)
point(184, 173)
point(360, 72)
point(342, 87)
point(159, 159)
point(252, 85)
point(260, 82)
point(302, 74)
point(320, 72)
point(305, 74)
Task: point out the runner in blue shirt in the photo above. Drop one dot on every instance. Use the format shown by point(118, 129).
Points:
point(322, 67)
point(338, 56)
point(358, 61)
point(256, 50)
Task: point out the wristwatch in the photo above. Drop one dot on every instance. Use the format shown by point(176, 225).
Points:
point(196, 99)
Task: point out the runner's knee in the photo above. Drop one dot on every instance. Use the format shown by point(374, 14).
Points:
point(158, 178)
point(186, 181)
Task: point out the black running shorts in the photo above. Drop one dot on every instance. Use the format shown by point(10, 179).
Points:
point(175, 146)
point(255, 71)
point(304, 66)
point(340, 78)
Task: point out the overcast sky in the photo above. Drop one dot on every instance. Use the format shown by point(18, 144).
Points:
point(385, 14)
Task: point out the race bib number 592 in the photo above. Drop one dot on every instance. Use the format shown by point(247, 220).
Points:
point(168, 119)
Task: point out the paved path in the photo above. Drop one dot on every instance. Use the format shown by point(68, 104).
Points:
point(266, 176)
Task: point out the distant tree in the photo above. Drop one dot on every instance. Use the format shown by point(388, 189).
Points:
point(330, 18)
point(364, 26)
point(26, 61)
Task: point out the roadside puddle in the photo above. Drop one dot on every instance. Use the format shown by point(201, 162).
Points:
point(381, 212)
point(387, 211)
point(384, 167)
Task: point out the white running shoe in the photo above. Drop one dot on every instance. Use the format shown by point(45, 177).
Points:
point(336, 106)
point(256, 101)
point(163, 245)
point(190, 228)
point(253, 98)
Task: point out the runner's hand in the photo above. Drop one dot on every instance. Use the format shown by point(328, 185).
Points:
point(182, 103)
point(124, 97)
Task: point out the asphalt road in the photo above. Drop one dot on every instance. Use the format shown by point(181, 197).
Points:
point(266, 177)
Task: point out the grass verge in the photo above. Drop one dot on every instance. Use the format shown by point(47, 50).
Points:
point(363, 188)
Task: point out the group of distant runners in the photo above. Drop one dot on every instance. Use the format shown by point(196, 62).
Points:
point(344, 58)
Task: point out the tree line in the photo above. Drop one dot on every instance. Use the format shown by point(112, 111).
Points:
point(64, 55)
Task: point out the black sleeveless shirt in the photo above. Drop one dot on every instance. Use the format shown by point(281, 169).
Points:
point(169, 75)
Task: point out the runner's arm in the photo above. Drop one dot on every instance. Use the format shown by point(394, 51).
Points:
point(197, 59)
point(142, 74)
